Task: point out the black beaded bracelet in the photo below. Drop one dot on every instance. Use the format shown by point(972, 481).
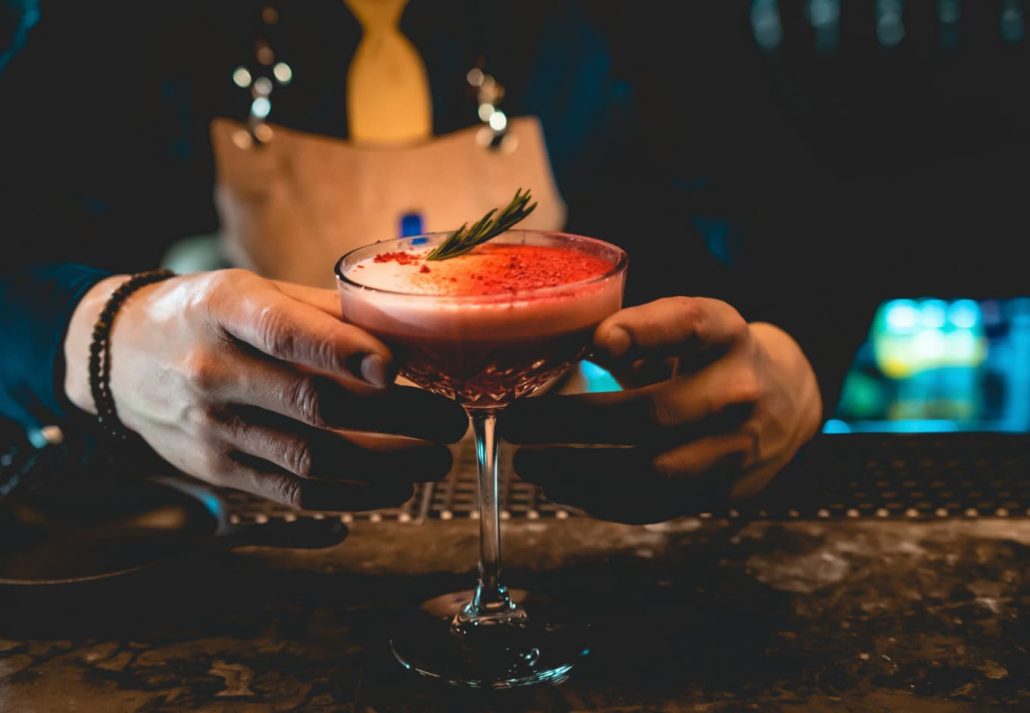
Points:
point(100, 351)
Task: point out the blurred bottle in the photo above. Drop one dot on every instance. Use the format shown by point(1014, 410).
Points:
point(1017, 406)
point(1011, 23)
point(766, 24)
point(824, 16)
point(912, 336)
point(949, 15)
point(890, 22)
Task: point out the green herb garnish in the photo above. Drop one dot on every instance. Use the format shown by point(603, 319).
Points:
point(467, 237)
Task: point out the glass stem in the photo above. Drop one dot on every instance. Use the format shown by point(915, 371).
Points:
point(491, 598)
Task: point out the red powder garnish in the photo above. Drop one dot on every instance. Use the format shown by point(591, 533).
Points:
point(399, 257)
point(500, 269)
point(496, 269)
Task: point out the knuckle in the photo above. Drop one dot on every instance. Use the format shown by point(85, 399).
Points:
point(216, 286)
point(203, 424)
point(202, 371)
point(273, 333)
point(706, 316)
point(278, 335)
point(324, 352)
point(738, 324)
point(674, 408)
point(209, 425)
point(297, 457)
point(687, 308)
point(746, 388)
point(305, 396)
point(663, 412)
point(665, 466)
point(290, 492)
point(228, 279)
point(732, 320)
point(216, 466)
point(230, 425)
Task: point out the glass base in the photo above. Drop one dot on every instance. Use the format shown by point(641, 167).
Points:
point(511, 651)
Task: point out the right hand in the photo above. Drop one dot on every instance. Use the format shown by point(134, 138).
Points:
point(259, 385)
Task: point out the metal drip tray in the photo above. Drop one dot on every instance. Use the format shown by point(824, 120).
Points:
point(452, 498)
point(927, 476)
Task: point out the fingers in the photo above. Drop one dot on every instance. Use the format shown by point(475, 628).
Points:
point(320, 454)
point(326, 300)
point(543, 466)
point(607, 502)
point(265, 480)
point(634, 485)
point(614, 418)
point(643, 372)
point(695, 405)
point(735, 451)
point(682, 327)
point(611, 483)
point(294, 331)
point(320, 401)
point(731, 452)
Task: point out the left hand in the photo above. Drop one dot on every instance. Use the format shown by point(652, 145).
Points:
point(715, 407)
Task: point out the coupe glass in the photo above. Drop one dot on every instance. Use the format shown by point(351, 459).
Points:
point(486, 350)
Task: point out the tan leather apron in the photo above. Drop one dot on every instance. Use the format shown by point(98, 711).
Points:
point(291, 207)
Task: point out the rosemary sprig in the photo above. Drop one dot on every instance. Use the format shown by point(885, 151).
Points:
point(467, 237)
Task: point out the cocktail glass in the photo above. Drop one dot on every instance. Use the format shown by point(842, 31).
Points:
point(485, 350)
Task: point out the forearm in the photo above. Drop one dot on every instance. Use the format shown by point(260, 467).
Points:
point(36, 307)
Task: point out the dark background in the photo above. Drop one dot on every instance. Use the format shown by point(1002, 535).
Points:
point(664, 117)
point(734, 148)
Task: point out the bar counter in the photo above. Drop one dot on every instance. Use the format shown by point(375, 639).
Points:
point(690, 615)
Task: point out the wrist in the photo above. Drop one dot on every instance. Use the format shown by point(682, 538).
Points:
point(77, 341)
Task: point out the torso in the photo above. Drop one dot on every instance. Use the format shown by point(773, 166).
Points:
point(290, 208)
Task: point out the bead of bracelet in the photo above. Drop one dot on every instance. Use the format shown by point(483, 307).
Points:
point(100, 351)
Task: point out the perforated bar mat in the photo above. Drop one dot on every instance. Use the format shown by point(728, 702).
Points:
point(836, 477)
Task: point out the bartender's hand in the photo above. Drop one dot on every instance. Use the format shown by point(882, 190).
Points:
point(260, 386)
point(714, 408)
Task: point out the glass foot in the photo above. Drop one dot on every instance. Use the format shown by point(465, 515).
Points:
point(489, 652)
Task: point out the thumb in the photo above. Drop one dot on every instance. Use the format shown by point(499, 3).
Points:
point(685, 328)
point(326, 300)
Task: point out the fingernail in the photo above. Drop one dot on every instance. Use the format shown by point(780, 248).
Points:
point(373, 370)
point(618, 341)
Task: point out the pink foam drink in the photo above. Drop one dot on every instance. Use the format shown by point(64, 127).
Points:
point(488, 326)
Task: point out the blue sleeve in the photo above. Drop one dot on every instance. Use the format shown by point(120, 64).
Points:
point(36, 299)
point(36, 305)
point(17, 17)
